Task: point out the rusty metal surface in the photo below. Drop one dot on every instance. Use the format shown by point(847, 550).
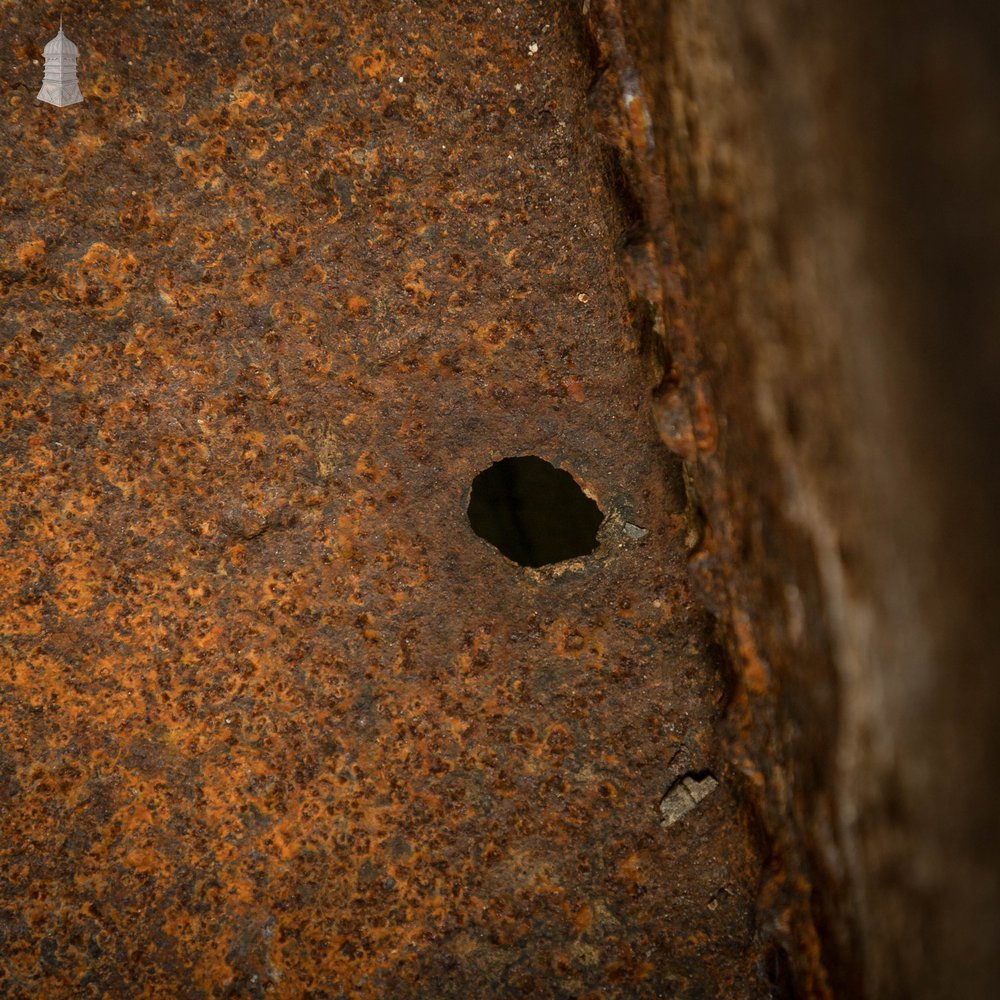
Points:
point(274, 720)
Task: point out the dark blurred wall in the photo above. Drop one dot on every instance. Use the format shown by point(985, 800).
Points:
point(833, 174)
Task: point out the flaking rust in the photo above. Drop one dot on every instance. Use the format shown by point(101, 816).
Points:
point(275, 721)
point(684, 795)
point(651, 149)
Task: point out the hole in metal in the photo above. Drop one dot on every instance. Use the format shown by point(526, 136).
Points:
point(534, 513)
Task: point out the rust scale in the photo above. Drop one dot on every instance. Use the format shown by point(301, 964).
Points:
point(276, 721)
point(687, 422)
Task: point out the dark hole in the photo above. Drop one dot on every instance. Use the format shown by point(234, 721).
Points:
point(533, 512)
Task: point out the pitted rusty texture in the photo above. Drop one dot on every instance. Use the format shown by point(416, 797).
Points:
point(275, 721)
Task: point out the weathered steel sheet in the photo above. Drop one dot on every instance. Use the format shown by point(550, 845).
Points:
point(275, 721)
